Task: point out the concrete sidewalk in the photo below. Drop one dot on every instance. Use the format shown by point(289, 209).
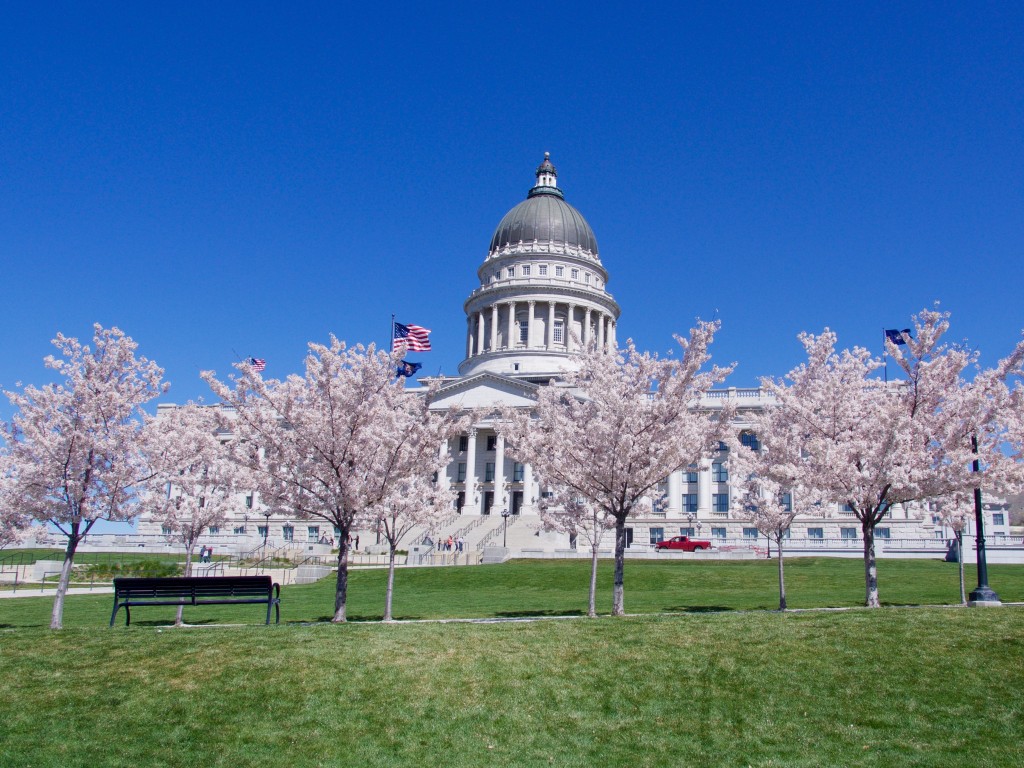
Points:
point(29, 591)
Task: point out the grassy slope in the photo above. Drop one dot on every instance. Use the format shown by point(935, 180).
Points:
point(908, 687)
point(928, 687)
point(559, 587)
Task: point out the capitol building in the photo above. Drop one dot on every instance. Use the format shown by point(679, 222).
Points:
point(542, 289)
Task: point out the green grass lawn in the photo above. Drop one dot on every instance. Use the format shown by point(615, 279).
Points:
point(707, 683)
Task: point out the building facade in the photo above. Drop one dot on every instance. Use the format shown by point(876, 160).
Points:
point(540, 290)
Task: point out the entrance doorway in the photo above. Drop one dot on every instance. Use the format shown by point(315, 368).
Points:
point(517, 502)
point(488, 501)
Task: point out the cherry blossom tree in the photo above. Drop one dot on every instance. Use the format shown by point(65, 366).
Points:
point(769, 494)
point(955, 511)
point(194, 481)
point(622, 424)
point(854, 439)
point(14, 524)
point(325, 445)
point(76, 446)
point(567, 512)
point(412, 503)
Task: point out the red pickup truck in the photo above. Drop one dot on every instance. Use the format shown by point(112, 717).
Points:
point(685, 543)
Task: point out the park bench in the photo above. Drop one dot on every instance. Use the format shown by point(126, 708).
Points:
point(195, 590)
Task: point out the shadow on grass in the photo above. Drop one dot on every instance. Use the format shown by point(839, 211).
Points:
point(535, 614)
point(698, 608)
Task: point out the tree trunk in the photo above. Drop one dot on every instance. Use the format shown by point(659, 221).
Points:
point(870, 567)
point(782, 580)
point(592, 604)
point(960, 562)
point(57, 618)
point(391, 584)
point(189, 549)
point(341, 588)
point(618, 607)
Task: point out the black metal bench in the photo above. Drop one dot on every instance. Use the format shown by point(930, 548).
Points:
point(195, 590)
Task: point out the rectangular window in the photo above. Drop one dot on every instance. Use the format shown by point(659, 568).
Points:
point(489, 472)
point(686, 532)
point(526, 270)
point(517, 473)
point(559, 271)
point(239, 529)
point(998, 518)
point(846, 509)
point(939, 535)
point(691, 477)
point(166, 530)
point(750, 533)
point(657, 535)
point(288, 533)
point(263, 531)
point(720, 502)
point(248, 501)
point(214, 529)
point(882, 533)
point(815, 533)
point(575, 274)
point(719, 473)
point(511, 272)
point(337, 533)
point(718, 533)
point(787, 501)
point(689, 502)
point(586, 277)
point(460, 501)
point(750, 440)
point(312, 533)
point(848, 533)
point(543, 269)
point(524, 332)
point(492, 442)
point(559, 332)
point(460, 477)
point(463, 443)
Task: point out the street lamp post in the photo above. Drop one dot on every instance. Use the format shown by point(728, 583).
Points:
point(983, 595)
point(504, 529)
point(266, 530)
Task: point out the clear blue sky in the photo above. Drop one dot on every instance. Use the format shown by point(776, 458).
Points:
point(247, 177)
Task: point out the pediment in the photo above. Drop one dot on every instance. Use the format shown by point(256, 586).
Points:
point(485, 390)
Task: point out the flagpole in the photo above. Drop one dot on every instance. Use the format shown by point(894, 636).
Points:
point(885, 355)
point(391, 342)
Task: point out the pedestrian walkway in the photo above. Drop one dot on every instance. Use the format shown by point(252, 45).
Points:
point(29, 591)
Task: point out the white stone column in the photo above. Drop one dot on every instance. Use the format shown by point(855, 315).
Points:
point(529, 494)
point(530, 324)
point(480, 332)
point(704, 489)
point(586, 329)
point(494, 328)
point(600, 330)
point(570, 318)
point(510, 340)
point(675, 494)
point(551, 326)
point(499, 473)
point(611, 333)
point(472, 506)
point(444, 482)
point(469, 336)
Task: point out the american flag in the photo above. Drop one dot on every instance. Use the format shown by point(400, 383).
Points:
point(257, 363)
point(416, 338)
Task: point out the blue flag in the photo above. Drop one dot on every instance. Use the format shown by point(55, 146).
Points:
point(405, 368)
point(898, 337)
